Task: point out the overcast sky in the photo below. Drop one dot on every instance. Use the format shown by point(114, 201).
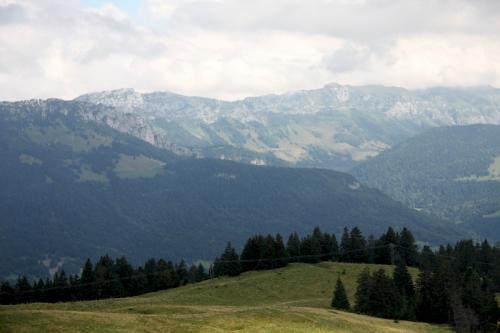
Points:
point(230, 49)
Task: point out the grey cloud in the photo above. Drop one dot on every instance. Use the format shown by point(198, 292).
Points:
point(347, 59)
point(12, 13)
point(360, 20)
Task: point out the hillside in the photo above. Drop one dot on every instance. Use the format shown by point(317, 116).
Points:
point(333, 127)
point(294, 298)
point(453, 172)
point(73, 189)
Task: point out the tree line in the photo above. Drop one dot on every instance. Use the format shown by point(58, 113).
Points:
point(456, 284)
point(269, 252)
point(106, 279)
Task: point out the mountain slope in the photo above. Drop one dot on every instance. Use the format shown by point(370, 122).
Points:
point(73, 189)
point(291, 299)
point(333, 127)
point(453, 172)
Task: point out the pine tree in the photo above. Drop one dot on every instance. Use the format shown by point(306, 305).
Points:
point(310, 249)
point(280, 252)
point(345, 246)
point(139, 282)
point(424, 296)
point(228, 263)
point(334, 248)
point(326, 245)
point(387, 243)
point(22, 290)
point(181, 271)
point(268, 255)
point(427, 259)
point(357, 246)
point(150, 270)
point(407, 248)
point(202, 275)
point(371, 245)
point(480, 298)
point(404, 285)
point(109, 285)
point(251, 254)
point(123, 272)
point(293, 247)
point(165, 275)
point(340, 300)
point(192, 274)
point(7, 295)
point(87, 280)
point(363, 291)
point(38, 294)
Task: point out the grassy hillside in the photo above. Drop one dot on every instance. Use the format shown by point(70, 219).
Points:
point(292, 299)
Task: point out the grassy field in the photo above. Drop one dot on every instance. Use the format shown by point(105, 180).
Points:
point(292, 299)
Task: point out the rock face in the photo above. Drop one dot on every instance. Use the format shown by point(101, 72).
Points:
point(333, 127)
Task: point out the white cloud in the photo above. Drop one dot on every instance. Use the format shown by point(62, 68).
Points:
point(235, 48)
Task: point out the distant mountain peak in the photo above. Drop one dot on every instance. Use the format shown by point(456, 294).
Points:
point(335, 126)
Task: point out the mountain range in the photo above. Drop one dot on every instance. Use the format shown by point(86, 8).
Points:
point(334, 127)
point(77, 182)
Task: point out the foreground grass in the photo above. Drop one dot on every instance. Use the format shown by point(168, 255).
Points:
point(292, 299)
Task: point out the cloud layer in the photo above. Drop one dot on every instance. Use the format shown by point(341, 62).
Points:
point(235, 48)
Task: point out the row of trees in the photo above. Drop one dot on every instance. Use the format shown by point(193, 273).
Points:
point(269, 252)
point(457, 283)
point(444, 293)
point(107, 278)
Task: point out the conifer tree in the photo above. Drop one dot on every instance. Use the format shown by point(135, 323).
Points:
point(181, 272)
point(124, 272)
point(87, 278)
point(150, 270)
point(165, 275)
point(383, 297)
point(228, 263)
point(334, 248)
point(404, 285)
point(407, 248)
point(424, 296)
point(202, 275)
point(22, 290)
point(310, 249)
point(340, 300)
point(293, 247)
point(426, 259)
point(371, 245)
point(363, 290)
point(357, 246)
point(108, 283)
point(268, 255)
point(345, 246)
point(280, 252)
point(7, 295)
point(138, 283)
point(251, 254)
point(387, 242)
point(192, 274)
point(326, 245)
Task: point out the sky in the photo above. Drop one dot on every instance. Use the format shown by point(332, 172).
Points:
point(230, 49)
